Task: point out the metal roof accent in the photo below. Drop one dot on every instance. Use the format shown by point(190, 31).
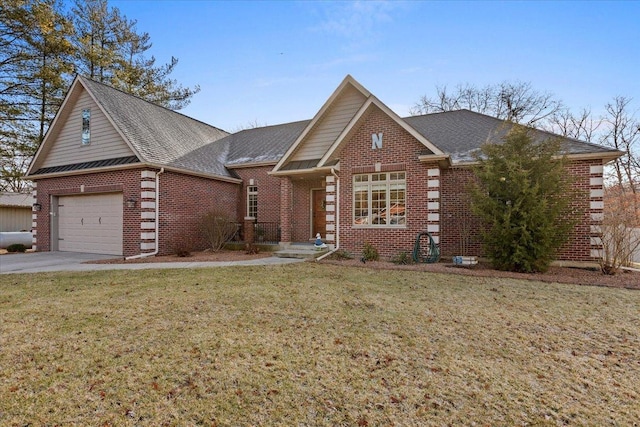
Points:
point(300, 164)
point(88, 165)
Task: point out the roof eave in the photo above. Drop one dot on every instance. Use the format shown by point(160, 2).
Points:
point(197, 173)
point(605, 157)
point(133, 166)
point(309, 171)
point(251, 164)
point(443, 160)
point(85, 171)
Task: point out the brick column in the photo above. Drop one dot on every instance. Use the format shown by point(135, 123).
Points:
point(34, 219)
point(331, 210)
point(433, 204)
point(148, 200)
point(249, 235)
point(286, 196)
point(596, 209)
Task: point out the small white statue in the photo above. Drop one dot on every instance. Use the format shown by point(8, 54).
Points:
point(319, 244)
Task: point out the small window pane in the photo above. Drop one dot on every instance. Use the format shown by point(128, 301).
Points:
point(86, 127)
point(252, 201)
point(379, 199)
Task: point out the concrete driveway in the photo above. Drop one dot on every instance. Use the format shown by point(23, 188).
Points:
point(46, 261)
point(42, 262)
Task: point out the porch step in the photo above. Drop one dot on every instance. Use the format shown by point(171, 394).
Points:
point(300, 252)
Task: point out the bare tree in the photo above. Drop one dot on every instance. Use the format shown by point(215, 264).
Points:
point(582, 126)
point(622, 132)
point(620, 229)
point(514, 101)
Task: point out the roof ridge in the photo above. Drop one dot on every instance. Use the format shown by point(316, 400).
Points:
point(149, 102)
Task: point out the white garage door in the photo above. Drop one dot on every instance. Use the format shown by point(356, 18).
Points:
point(90, 223)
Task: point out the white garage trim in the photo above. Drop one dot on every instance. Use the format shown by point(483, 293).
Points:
point(90, 223)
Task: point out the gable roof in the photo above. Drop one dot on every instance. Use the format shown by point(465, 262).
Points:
point(349, 122)
point(156, 135)
point(373, 102)
point(163, 138)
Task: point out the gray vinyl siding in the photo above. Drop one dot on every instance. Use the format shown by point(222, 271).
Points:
point(15, 219)
point(329, 127)
point(105, 144)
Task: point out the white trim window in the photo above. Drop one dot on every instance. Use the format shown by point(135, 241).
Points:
point(86, 126)
point(252, 201)
point(379, 199)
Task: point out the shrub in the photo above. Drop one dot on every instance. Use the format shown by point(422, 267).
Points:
point(251, 249)
point(525, 199)
point(16, 247)
point(369, 252)
point(619, 230)
point(217, 228)
point(402, 258)
point(341, 254)
point(181, 246)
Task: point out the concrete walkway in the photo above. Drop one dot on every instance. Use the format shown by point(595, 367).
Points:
point(42, 262)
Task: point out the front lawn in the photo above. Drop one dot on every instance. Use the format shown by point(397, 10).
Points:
point(311, 344)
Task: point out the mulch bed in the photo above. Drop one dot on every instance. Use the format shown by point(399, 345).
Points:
point(578, 276)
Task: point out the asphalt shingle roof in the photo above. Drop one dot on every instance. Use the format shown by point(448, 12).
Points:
point(461, 133)
point(165, 137)
point(265, 144)
point(161, 136)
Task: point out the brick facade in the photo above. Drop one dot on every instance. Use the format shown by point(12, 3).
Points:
point(268, 193)
point(399, 152)
point(461, 229)
point(437, 199)
point(183, 199)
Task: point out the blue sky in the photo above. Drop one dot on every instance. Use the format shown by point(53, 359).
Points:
point(276, 62)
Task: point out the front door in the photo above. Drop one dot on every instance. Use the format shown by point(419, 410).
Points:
point(318, 212)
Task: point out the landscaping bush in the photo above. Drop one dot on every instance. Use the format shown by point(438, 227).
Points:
point(182, 246)
point(16, 247)
point(402, 258)
point(525, 199)
point(370, 253)
point(217, 228)
point(341, 254)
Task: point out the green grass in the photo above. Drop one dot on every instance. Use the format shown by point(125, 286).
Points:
point(311, 344)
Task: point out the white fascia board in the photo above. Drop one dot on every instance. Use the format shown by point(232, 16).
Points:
point(250, 165)
point(134, 166)
point(369, 103)
point(45, 142)
point(348, 80)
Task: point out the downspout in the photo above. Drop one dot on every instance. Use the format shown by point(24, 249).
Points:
point(320, 258)
point(157, 229)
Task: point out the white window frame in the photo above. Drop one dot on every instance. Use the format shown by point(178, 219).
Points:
point(252, 201)
point(392, 186)
point(86, 127)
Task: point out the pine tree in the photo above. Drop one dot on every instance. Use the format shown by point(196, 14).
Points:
point(111, 51)
point(524, 196)
point(34, 76)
